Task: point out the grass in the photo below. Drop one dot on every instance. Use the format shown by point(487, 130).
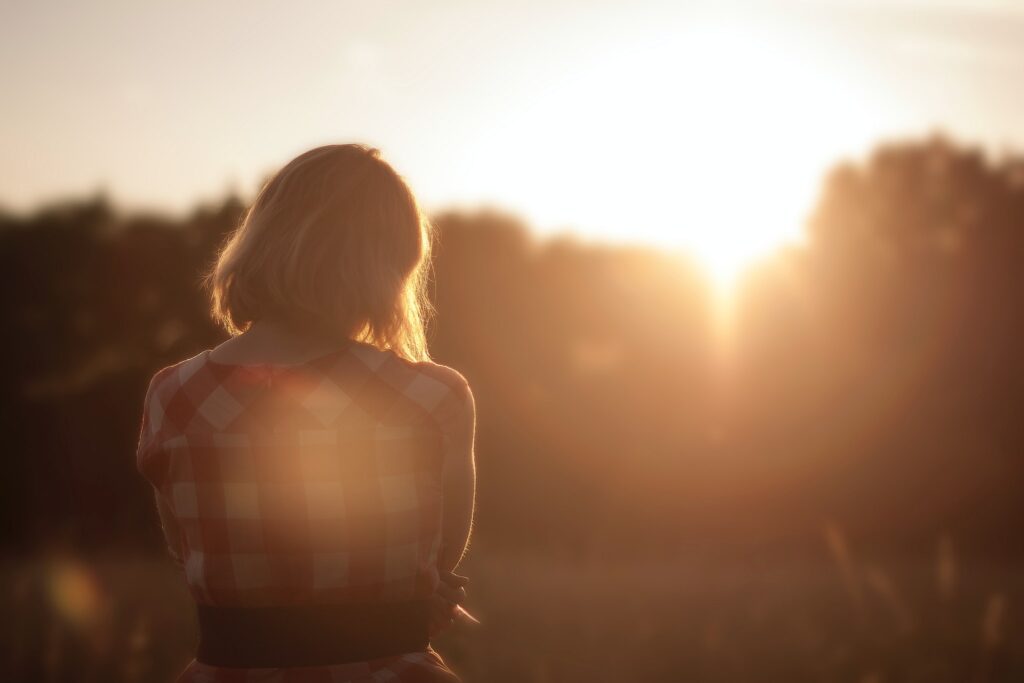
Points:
point(827, 618)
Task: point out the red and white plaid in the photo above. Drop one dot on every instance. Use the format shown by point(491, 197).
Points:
point(311, 483)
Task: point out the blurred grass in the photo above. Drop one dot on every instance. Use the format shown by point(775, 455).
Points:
point(819, 618)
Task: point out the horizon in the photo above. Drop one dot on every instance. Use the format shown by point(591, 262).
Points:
point(717, 335)
point(768, 98)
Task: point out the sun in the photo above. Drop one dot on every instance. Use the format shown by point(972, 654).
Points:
point(712, 140)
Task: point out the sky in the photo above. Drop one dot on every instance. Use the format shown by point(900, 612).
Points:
point(674, 123)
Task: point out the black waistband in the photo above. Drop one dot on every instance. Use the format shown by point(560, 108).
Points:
point(310, 635)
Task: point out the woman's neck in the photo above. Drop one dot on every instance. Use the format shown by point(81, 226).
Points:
point(277, 341)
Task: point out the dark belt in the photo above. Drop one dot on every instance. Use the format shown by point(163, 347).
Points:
point(310, 635)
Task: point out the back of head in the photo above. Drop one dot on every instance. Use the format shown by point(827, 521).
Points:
point(335, 243)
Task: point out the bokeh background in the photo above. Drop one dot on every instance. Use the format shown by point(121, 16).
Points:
point(737, 285)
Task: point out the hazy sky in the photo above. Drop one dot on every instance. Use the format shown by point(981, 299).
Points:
point(627, 120)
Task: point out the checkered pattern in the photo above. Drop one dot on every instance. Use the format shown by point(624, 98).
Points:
point(318, 482)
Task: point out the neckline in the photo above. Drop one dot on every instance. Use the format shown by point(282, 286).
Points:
point(283, 366)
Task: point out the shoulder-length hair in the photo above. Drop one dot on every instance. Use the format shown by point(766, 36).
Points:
point(335, 242)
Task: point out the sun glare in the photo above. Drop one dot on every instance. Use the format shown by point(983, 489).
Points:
point(713, 141)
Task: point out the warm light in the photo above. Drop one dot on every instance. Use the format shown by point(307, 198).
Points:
point(713, 139)
point(75, 593)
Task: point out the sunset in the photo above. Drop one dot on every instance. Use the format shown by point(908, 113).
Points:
point(535, 341)
point(630, 122)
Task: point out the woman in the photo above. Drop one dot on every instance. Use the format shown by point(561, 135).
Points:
point(314, 474)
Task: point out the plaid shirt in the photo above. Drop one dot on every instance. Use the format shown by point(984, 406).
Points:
point(317, 482)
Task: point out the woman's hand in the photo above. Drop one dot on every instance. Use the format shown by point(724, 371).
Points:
point(445, 604)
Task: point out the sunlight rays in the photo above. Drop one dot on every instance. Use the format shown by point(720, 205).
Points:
point(712, 140)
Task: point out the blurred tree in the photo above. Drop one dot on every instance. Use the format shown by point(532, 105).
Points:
point(876, 374)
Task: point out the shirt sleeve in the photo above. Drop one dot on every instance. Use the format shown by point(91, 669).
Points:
point(150, 461)
point(456, 417)
point(172, 532)
point(148, 446)
point(456, 414)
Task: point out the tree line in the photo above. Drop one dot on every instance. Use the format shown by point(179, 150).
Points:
point(870, 377)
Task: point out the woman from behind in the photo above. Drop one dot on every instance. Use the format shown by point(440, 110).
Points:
point(314, 474)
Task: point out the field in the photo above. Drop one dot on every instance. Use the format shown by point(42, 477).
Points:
point(870, 376)
point(823, 617)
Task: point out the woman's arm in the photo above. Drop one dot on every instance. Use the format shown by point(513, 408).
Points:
point(151, 462)
point(172, 532)
point(458, 479)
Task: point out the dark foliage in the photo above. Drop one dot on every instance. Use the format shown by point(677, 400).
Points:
point(875, 375)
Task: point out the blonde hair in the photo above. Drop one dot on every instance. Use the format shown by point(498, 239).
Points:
point(335, 242)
